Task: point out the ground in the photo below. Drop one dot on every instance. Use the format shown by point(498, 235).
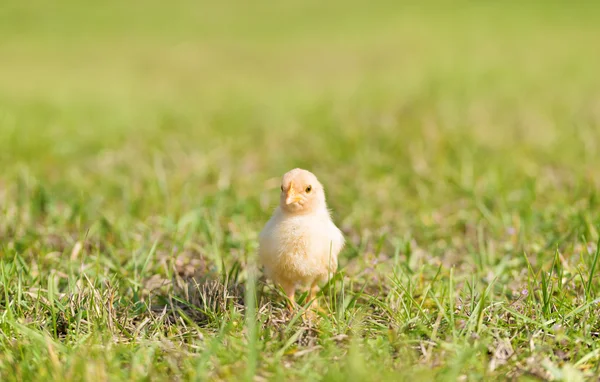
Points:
point(141, 146)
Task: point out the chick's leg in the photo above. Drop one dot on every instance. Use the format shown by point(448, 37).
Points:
point(314, 289)
point(290, 292)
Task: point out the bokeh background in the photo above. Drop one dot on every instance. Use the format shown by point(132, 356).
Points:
point(138, 109)
point(446, 133)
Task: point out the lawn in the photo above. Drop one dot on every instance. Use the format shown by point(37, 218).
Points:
point(141, 147)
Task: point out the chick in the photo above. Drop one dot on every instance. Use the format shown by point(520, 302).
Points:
point(299, 245)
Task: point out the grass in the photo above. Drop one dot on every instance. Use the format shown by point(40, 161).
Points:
point(141, 146)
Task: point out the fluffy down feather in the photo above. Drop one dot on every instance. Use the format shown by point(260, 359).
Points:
point(299, 245)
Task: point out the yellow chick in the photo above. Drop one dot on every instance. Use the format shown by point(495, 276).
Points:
point(299, 245)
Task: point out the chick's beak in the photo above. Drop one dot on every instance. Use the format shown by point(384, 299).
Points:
point(292, 196)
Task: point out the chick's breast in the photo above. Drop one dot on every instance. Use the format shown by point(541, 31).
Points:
point(299, 249)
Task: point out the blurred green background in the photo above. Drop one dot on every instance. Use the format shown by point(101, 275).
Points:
point(147, 108)
point(446, 132)
point(403, 95)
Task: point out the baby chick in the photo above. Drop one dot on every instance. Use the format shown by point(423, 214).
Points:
point(299, 245)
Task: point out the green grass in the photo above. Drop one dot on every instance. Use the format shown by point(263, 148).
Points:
point(141, 145)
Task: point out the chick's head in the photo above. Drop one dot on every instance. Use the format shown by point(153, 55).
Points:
point(301, 192)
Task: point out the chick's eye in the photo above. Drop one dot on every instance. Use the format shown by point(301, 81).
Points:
point(308, 189)
point(281, 188)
